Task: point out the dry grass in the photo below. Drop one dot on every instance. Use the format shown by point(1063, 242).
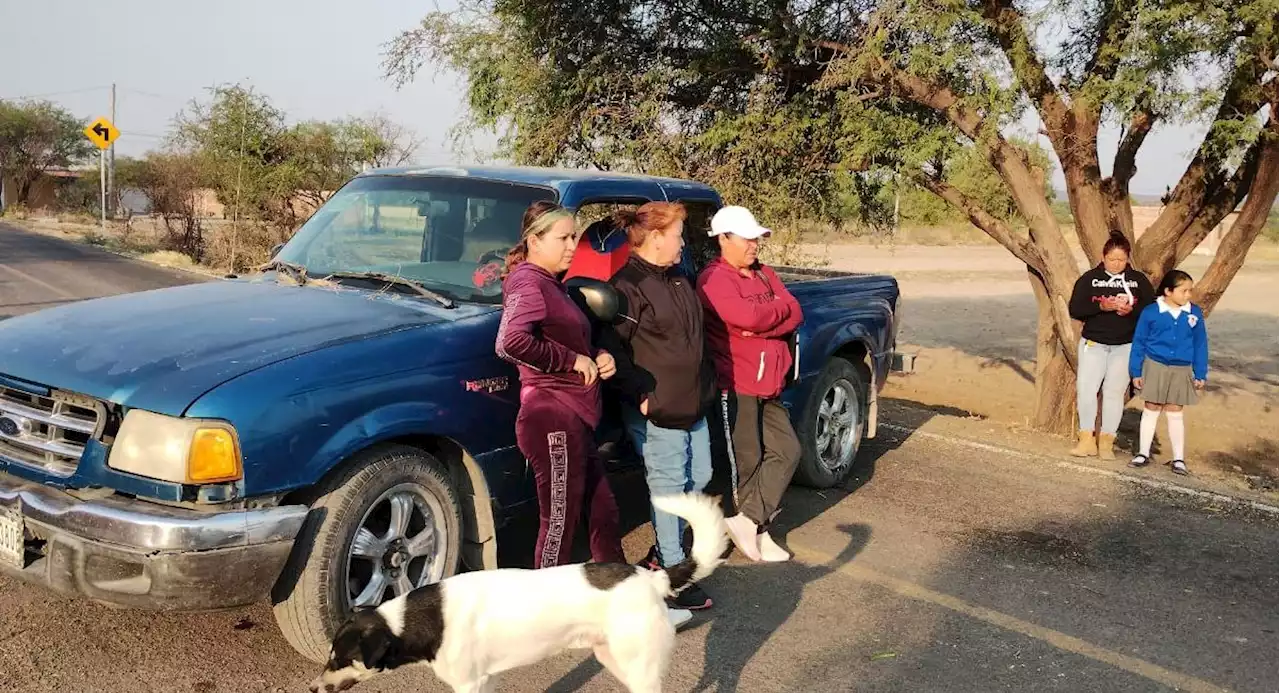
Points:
point(169, 258)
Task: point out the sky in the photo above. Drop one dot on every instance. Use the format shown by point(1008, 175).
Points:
point(318, 59)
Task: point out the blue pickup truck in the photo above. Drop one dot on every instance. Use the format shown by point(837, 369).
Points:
point(336, 429)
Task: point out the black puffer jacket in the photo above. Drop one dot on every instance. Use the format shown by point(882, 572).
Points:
point(657, 340)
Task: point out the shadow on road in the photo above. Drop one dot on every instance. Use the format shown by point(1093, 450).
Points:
point(754, 600)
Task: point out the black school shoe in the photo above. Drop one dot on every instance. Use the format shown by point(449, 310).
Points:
point(692, 597)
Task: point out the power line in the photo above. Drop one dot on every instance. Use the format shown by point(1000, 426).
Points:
point(54, 93)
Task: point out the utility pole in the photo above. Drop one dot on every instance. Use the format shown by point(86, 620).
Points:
point(111, 171)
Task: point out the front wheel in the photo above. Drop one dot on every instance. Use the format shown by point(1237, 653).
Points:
point(833, 424)
point(389, 524)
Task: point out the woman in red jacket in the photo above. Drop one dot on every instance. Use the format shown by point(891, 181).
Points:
point(749, 315)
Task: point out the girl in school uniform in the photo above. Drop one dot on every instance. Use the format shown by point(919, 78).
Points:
point(1169, 362)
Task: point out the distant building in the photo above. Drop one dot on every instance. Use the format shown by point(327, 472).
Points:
point(44, 192)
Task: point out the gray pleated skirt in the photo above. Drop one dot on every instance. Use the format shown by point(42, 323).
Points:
point(1163, 384)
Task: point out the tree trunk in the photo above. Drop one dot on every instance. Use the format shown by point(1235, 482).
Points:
point(25, 185)
point(1055, 409)
point(1089, 203)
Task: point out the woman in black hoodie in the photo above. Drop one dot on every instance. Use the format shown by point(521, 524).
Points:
point(1108, 300)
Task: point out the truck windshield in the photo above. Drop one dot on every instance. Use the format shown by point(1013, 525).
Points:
point(449, 234)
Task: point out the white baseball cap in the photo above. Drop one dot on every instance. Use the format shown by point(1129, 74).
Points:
point(738, 221)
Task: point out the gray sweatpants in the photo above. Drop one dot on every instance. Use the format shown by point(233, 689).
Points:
point(1105, 367)
point(763, 451)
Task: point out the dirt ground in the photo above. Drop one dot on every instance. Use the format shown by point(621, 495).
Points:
point(970, 316)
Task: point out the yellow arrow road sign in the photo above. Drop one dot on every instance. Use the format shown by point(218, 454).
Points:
point(102, 133)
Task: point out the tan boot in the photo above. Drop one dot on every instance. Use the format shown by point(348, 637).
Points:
point(1087, 447)
point(1105, 446)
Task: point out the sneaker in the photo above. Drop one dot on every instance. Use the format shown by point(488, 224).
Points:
point(770, 551)
point(743, 533)
point(691, 598)
point(679, 617)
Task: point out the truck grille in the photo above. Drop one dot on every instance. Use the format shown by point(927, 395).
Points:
point(48, 432)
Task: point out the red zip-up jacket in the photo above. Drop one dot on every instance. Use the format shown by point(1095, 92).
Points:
point(736, 303)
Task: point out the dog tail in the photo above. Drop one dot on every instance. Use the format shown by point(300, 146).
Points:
point(710, 536)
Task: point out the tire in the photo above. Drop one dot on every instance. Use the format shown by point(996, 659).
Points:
point(312, 597)
point(816, 469)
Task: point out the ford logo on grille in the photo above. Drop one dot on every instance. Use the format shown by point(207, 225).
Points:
point(9, 427)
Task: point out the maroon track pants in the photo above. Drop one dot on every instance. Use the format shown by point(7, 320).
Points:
point(571, 482)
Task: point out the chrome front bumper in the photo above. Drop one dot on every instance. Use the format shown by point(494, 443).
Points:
point(141, 555)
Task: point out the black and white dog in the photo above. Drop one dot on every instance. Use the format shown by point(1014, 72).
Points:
point(472, 626)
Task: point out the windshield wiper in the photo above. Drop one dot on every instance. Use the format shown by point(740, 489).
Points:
point(297, 272)
point(417, 287)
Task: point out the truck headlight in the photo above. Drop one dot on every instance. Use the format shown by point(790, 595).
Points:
point(169, 448)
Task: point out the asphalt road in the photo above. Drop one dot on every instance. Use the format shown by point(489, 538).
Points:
point(944, 565)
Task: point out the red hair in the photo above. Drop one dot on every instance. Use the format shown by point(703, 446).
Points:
point(647, 218)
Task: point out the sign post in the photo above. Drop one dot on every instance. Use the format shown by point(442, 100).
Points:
point(102, 134)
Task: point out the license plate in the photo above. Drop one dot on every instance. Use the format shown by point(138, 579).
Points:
point(11, 549)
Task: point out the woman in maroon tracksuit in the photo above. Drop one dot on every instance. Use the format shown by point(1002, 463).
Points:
point(546, 335)
point(750, 315)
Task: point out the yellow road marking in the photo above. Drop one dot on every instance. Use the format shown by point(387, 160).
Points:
point(1062, 641)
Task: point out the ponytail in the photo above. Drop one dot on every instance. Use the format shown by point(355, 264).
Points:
point(515, 256)
point(649, 217)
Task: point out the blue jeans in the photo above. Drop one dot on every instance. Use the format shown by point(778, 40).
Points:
point(1105, 367)
point(675, 461)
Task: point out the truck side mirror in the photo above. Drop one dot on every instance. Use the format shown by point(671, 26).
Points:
point(599, 300)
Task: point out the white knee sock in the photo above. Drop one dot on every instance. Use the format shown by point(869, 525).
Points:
point(1147, 431)
point(1173, 419)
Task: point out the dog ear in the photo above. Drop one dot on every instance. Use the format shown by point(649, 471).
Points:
point(373, 648)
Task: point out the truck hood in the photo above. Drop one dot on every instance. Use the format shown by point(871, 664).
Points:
point(160, 350)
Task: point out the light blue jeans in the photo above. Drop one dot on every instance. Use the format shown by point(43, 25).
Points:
point(675, 461)
point(1102, 366)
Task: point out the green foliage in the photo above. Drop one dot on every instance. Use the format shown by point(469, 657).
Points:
point(734, 97)
point(262, 169)
point(36, 136)
point(238, 138)
point(793, 109)
point(720, 94)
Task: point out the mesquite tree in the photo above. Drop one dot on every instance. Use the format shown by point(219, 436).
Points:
point(789, 105)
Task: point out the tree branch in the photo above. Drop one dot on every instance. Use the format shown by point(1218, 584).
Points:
point(997, 229)
point(1123, 168)
point(1246, 93)
point(1224, 199)
point(1118, 21)
point(936, 96)
point(1253, 216)
point(1006, 21)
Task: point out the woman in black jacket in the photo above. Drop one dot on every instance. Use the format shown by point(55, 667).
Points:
point(665, 378)
point(1108, 300)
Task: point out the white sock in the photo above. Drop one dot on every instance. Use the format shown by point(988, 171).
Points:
point(1147, 431)
point(1177, 435)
